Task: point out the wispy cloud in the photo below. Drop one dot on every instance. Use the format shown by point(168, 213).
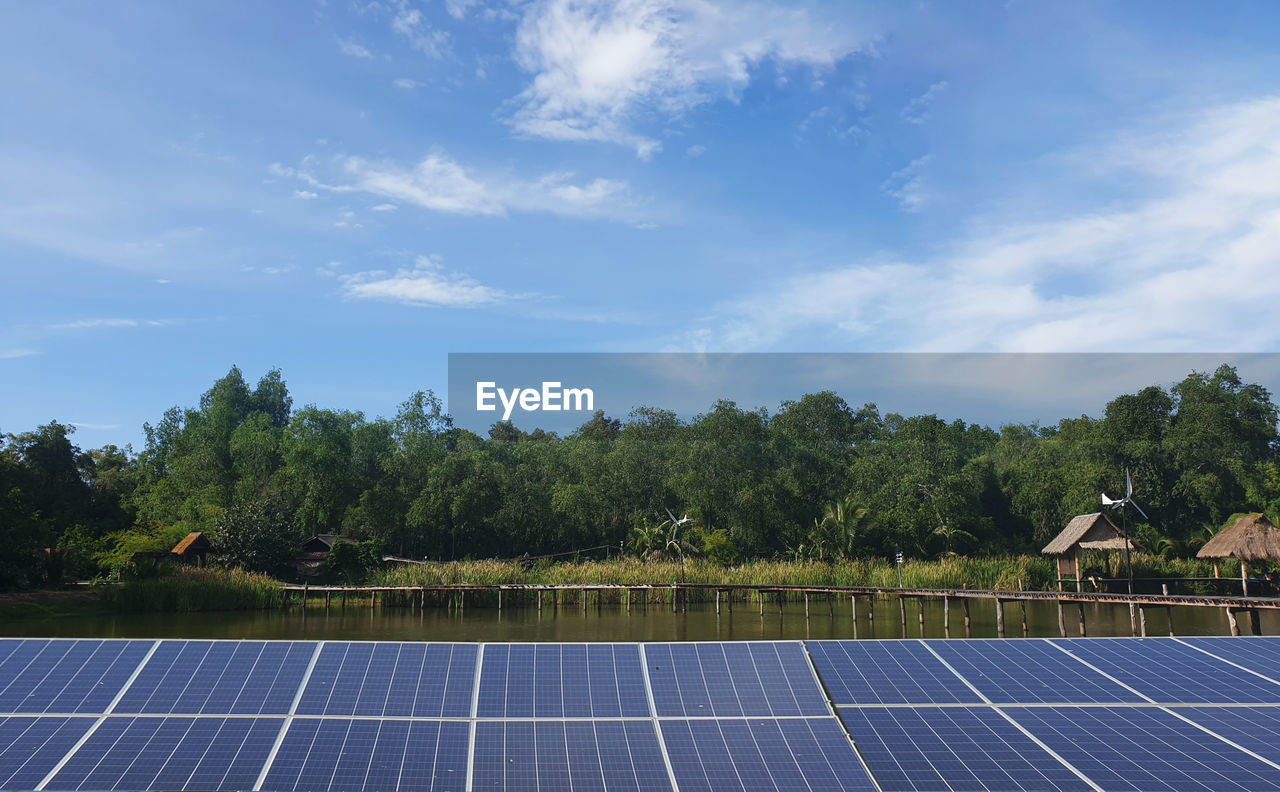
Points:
point(1185, 268)
point(410, 24)
point(426, 284)
point(601, 66)
point(353, 49)
point(104, 324)
point(406, 83)
point(441, 184)
point(94, 427)
point(17, 352)
point(917, 110)
point(908, 185)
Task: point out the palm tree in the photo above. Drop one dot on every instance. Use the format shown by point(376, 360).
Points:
point(844, 525)
point(949, 534)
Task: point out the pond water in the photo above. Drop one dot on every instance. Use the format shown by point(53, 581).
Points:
point(612, 623)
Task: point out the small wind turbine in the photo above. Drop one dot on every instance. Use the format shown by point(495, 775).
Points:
point(675, 530)
point(1127, 500)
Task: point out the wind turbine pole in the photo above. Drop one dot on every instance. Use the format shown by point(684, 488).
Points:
point(1128, 560)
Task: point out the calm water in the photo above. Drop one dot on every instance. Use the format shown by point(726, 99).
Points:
point(615, 624)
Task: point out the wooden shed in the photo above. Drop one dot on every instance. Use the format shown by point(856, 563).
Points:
point(192, 549)
point(1251, 538)
point(1084, 532)
point(316, 550)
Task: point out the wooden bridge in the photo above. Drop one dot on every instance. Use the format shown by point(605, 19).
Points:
point(455, 595)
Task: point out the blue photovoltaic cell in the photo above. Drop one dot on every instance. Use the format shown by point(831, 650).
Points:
point(30, 747)
point(886, 672)
point(333, 755)
point(562, 681)
point(1261, 654)
point(562, 755)
point(733, 679)
point(170, 753)
point(1254, 728)
point(1029, 672)
point(751, 755)
point(1144, 748)
point(219, 677)
point(914, 749)
point(65, 676)
point(1170, 672)
point(392, 679)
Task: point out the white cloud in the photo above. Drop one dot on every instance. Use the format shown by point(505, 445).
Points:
point(600, 66)
point(17, 352)
point(693, 152)
point(1189, 267)
point(426, 284)
point(917, 110)
point(94, 427)
point(305, 195)
point(384, 208)
point(458, 8)
point(441, 184)
point(353, 49)
point(93, 324)
point(410, 24)
point(406, 83)
point(908, 185)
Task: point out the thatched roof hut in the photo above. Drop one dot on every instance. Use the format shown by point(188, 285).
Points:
point(1085, 532)
point(1252, 537)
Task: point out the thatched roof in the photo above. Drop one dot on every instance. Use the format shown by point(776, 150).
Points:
point(194, 542)
point(1088, 532)
point(1251, 537)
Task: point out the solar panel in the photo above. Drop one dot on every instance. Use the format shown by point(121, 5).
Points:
point(31, 747)
point(1028, 672)
point(219, 677)
point(886, 672)
point(1254, 728)
point(762, 754)
point(578, 755)
point(562, 680)
point(170, 753)
point(1167, 671)
point(733, 679)
point(913, 749)
point(346, 755)
point(1261, 654)
point(392, 679)
point(1144, 748)
point(66, 676)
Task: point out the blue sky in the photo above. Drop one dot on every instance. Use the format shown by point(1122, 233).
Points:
point(349, 191)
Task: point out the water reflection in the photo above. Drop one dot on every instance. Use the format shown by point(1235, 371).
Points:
point(699, 623)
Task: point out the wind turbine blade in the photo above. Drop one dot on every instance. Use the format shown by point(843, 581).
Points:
point(1128, 484)
point(1140, 511)
point(1107, 501)
point(672, 516)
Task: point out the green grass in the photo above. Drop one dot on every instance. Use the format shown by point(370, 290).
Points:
point(186, 589)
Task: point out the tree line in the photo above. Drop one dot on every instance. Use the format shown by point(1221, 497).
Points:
point(817, 479)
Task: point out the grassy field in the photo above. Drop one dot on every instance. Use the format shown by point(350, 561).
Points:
point(188, 590)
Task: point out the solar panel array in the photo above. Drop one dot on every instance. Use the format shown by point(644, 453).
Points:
point(1009, 714)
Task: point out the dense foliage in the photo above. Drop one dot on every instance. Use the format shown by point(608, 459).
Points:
point(818, 479)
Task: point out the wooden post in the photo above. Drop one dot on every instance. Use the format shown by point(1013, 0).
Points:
point(1023, 603)
point(1255, 621)
point(760, 598)
point(539, 600)
point(630, 593)
point(1142, 621)
point(806, 606)
point(729, 595)
point(305, 585)
point(499, 600)
point(717, 602)
point(373, 599)
point(462, 601)
point(920, 602)
point(871, 612)
point(1244, 579)
point(831, 605)
point(599, 597)
point(422, 599)
point(1216, 571)
point(327, 594)
point(902, 611)
point(999, 617)
point(965, 601)
point(1231, 620)
point(946, 615)
point(1133, 620)
point(1062, 621)
point(1082, 630)
point(1078, 570)
point(1168, 609)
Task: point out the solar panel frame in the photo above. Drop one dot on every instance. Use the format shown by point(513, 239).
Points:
point(879, 672)
point(1166, 671)
point(140, 753)
point(562, 680)
point(208, 677)
point(582, 754)
point(1144, 748)
point(913, 749)
point(67, 676)
point(353, 754)
point(390, 679)
point(30, 747)
point(1028, 672)
point(747, 679)
point(752, 754)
